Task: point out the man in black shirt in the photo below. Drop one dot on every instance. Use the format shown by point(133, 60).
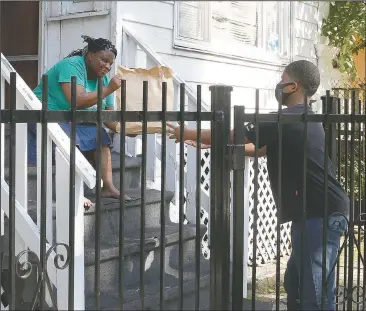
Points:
point(299, 78)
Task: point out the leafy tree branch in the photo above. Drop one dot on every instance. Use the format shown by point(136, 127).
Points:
point(345, 27)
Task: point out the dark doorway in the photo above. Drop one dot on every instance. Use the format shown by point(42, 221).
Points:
point(19, 38)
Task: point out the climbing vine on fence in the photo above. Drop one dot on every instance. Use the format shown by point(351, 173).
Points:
point(345, 27)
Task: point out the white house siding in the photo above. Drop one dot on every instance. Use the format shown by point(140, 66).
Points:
point(153, 21)
point(63, 30)
point(156, 29)
point(310, 45)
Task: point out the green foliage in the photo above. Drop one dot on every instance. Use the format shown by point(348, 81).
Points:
point(358, 167)
point(345, 27)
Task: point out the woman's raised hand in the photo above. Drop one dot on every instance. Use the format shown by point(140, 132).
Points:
point(115, 83)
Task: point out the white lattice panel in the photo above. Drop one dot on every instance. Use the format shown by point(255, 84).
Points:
point(267, 219)
point(205, 180)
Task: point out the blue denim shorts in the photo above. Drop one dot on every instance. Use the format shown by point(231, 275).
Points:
point(86, 139)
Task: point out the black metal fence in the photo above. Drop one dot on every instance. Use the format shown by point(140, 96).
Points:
point(227, 156)
point(351, 101)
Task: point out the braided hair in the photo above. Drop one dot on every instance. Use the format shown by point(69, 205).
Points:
point(94, 45)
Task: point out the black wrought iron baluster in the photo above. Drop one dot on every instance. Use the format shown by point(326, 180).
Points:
point(346, 183)
point(2, 91)
point(163, 193)
point(351, 215)
point(279, 201)
point(238, 209)
point(13, 101)
point(72, 194)
point(98, 165)
point(339, 174)
point(198, 199)
point(122, 192)
point(364, 202)
point(43, 187)
point(255, 203)
point(326, 104)
point(221, 188)
point(219, 97)
point(143, 192)
point(213, 206)
point(359, 198)
point(181, 192)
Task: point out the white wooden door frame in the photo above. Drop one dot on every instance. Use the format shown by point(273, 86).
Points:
point(42, 38)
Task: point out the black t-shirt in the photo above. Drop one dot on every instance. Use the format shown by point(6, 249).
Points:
point(292, 167)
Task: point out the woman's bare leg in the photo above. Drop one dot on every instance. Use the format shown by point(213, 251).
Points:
point(108, 190)
point(106, 170)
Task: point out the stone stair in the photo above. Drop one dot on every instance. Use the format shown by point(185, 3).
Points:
point(109, 254)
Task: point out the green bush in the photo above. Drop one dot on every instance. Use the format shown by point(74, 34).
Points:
point(345, 27)
point(358, 170)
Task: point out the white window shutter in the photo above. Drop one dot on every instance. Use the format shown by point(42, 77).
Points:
point(234, 22)
point(191, 20)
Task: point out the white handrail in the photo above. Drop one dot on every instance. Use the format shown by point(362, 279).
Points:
point(130, 43)
point(27, 229)
point(155, 56)
point(82, 166)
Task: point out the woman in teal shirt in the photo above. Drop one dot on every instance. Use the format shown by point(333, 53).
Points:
point(87, 65)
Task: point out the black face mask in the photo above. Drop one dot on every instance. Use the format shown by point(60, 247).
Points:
point(279, 90)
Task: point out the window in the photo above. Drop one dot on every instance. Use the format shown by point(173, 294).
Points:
point(80, 6)
point(250, 29)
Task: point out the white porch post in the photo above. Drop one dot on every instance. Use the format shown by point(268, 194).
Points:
point(21, 171)
point(129, 50)
point(246, 227)
point(62, 234)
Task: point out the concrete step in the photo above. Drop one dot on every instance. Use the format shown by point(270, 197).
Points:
point(132, 177)
point(131, 165)
point(111, 210)
point(110, 215)
point(132, 174)
point(109, 268)
point(132, 301)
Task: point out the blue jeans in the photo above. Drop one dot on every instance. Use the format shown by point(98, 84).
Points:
point(312, 263)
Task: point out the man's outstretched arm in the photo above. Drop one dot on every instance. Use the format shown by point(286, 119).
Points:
point(191, 135)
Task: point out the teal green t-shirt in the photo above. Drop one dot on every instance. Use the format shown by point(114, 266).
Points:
point(61, 73)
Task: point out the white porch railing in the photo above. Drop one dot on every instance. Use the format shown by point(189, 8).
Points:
point(135, 53)
point(28, 232)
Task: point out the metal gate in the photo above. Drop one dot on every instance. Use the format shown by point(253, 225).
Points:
point(227, 157)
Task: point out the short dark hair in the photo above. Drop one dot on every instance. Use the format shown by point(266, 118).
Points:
point(305, 72)
point(94, 45)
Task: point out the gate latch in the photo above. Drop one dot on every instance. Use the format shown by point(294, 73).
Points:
point(236, 157)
